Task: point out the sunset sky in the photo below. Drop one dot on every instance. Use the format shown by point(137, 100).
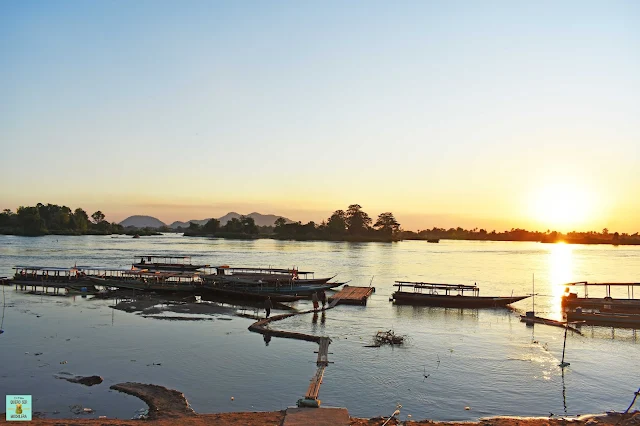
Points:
point(491, 114)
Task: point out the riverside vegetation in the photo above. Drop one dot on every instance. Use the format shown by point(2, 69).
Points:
point(354, 224)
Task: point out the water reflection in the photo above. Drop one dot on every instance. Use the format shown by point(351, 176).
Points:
point(433, 312)
point(560, 273)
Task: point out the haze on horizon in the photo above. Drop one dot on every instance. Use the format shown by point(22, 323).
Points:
point(494, 114)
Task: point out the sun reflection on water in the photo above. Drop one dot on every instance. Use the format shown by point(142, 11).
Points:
point(560, 273)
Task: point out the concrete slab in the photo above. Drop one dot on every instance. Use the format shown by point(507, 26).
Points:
point(316, 416)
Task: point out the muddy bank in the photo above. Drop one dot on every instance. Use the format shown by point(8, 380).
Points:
point(83, 380)
point(276, 418)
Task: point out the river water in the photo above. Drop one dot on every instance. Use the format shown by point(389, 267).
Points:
point(483, 360)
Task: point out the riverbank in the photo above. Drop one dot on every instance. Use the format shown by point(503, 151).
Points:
point(276, 418)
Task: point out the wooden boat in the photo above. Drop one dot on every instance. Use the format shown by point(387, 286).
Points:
point(170, 282)
point(530, 318)
point(46, 276)
point(605, 318)
point(166, 263)
point(248, 296)
point(448, 295)
point(257, 287)
point(608, 303)
point(268, 275)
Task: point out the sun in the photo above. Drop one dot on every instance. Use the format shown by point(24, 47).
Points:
point(562, 206)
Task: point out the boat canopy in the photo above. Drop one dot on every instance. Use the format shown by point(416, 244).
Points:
point(44, 268)
point(433, 288)
point(584, 284)
point(263, 270)
point(150, 257)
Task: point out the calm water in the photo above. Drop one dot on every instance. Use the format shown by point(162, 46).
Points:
point(486, 360)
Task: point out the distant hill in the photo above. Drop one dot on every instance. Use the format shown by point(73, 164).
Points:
point(178, 223)
point(260, 219)
point(142, 222)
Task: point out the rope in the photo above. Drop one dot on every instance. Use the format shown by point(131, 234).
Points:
point(635, 395)
point(4, 305)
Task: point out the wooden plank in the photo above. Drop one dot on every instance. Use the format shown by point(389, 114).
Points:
point(314, 386)
point(323, 352)
point(352, 295)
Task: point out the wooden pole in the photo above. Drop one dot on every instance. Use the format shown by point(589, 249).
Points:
point(564, 346)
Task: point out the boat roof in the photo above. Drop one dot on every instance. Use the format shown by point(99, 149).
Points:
point(159, 256)
point(584, 283)
point(107, 269)
point(436, 286)
point(45, 268)
point(273, 270)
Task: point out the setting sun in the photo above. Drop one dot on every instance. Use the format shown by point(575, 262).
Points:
point(562, 206)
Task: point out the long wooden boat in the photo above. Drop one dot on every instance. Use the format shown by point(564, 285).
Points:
point(531, 318)
point(605, 318)
point(249, 296)
point(159, 282)
point(166, 263)
point(268, 275)
point(266, 288)
point(47, 276)
point(448, 295)
point(605, 302)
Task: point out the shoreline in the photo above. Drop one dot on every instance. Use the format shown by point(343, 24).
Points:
point(170, 407)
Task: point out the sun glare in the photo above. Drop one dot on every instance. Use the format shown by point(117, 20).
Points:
point(561, 207)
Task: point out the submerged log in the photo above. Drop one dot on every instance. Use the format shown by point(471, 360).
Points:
point(162, 402)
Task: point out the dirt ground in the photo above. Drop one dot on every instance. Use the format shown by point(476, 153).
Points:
point(276, 418)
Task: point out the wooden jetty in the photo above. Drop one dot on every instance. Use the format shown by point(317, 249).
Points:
point(352, 295)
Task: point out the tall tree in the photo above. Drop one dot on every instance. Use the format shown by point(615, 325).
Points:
point(387, 223)
point(337, 223)
point(97, 217)
point(358, 222)
point(80, 220)
point(212, 226)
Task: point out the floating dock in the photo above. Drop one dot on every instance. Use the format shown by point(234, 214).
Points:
point(352, 295)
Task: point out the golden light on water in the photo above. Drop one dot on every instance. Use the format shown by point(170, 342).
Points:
point(560, 271)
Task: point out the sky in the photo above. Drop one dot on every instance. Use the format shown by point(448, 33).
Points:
point(492, 114)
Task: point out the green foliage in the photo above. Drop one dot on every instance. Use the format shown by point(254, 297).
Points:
point(387, 223)
point(212, 226)
point(97, 217)
point(358, 222)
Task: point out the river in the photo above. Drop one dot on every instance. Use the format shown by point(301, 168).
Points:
point(477, 362)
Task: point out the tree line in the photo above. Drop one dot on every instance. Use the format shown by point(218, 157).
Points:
point(354, 224)
point(243, 227)
point(518, 234)
point(46, 219)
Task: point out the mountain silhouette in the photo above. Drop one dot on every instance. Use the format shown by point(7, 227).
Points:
point(152, 222)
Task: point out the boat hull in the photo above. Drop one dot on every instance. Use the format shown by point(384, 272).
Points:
point(248, 296)
point(406, 298)
point(602, 304)
point(140, 286)
point(606, 319)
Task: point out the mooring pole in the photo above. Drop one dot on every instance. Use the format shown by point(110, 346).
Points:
point(564, 346)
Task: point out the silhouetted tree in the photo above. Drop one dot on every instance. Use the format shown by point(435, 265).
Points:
point(387, 223)
point(212, 226)
point(358, 222)
point(337, 223)
point(97, 217)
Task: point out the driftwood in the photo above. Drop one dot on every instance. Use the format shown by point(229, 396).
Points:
point(387, 338)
